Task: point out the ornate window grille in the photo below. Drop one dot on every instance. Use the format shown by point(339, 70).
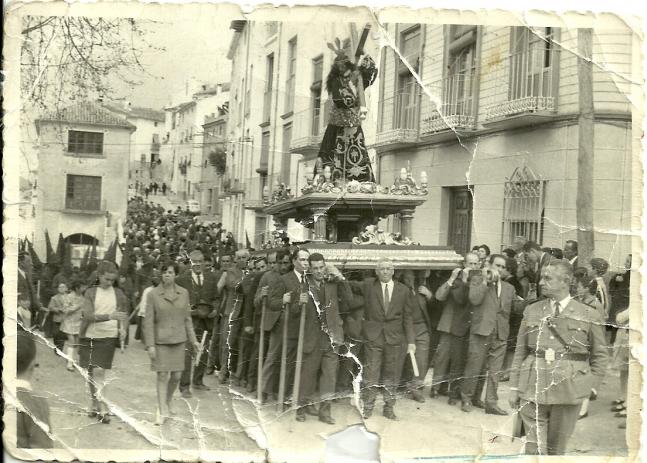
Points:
point(523, 207)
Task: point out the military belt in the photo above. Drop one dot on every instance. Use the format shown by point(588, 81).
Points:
point(560, 355)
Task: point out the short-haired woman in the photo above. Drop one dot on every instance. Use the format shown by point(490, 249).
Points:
point(167, 328)
point(105, 310)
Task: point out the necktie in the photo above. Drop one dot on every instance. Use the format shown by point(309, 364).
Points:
point(387, 301)
point(199, 279)
point(558, 309)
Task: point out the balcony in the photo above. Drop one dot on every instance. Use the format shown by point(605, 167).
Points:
point(237, 187)
point(258, 190)
point(306, 132)
point(456, 112)
point(525, 89)
point(399, 121)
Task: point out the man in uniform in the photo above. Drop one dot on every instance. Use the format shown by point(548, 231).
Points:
point(560, 348)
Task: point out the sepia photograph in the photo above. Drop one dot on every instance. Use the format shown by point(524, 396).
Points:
point(321, 233)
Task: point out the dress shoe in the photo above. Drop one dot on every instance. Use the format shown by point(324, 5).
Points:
point(622, 414)
point(186, 394)
point(433, 392)
point(622, 425)
point(618, 402)
point(326, 419)
point(594, 395)
point(368, 412)
point(417, 396)
point(618, 408)
point(495, 410)
point(452, 401)
point(504, 378)
point(581, 417)
point(388, 413)
point(201, 387)
point(311, 410)
point(466, 407)
point(478, 403)
point(301, 416)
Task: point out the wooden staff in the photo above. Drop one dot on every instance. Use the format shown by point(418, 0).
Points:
point(261, 353)
point(358, 54)
point(284, 354)
point(297, 372)
point(414, 365)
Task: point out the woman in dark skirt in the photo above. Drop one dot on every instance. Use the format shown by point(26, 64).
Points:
point(167, 328)
point(343, 148)
point(102, 327)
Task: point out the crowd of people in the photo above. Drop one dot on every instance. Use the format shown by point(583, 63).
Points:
point(152, 188)
point(289, 328)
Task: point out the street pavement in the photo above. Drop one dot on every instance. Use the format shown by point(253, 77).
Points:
point(227, 420)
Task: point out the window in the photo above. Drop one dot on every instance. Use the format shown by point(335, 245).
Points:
point(269, 76)
point(85, 142)
point(265, 152)
point(285, 154)
point(292, 70)
point(83, 192)
point(531, 63)
point(272, 27)
point(458, 88)
point(406, 99)
point(523, 207)
point(315, 94)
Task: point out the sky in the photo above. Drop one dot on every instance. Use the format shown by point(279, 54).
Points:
point(193, 48)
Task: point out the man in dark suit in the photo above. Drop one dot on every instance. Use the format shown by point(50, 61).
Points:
point(273, 322)
point(560, 351)
point(454, 327)
point(323, 337)
point(202, 288)
point(422, 298)
point(491, 300)
point(388, 323)
point(570, 253)
point(28, 299)
point(538, 259)
point(292, 291)
point(213, 362)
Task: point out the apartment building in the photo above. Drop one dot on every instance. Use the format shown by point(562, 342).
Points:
point(181, 150)
point(83, 158)
point(494, 125)
point(145, 154)
point(214, 155)
point(278, 115)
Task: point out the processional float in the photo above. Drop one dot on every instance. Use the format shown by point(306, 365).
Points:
point(342, 203)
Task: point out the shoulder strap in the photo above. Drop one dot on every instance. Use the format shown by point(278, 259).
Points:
point(556, 333)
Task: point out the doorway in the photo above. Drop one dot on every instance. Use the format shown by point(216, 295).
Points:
point(460, 219)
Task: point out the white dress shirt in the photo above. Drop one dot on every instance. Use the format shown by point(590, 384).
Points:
point(562, 304)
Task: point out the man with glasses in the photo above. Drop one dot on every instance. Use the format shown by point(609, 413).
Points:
point(271, 325)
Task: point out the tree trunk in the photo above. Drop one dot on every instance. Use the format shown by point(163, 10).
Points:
point(585, 155)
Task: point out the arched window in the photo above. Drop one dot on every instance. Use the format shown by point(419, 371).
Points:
point(81, 238)
point(523, 207)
